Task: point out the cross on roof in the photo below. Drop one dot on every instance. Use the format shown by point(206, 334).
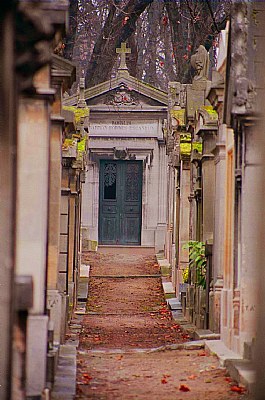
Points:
point(123, 51)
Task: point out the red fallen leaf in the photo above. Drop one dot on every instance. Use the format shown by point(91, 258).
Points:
point(87, 377)
point(184, 388)
point(164, 380)
point(228, 379)
point(192, 377)
point(238, 389)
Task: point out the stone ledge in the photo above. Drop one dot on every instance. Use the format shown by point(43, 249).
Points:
point(168, 288)
point(65, 379)
point(223, 353)
point(242, 371)
point(200, 334)
point(164, 265)
point(174, 304)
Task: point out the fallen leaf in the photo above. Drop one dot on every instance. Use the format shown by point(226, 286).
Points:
point(201, 354)
point(163, 380)
point(184, 388)
point(238, 389)
point(87, 378)
point(228, 379)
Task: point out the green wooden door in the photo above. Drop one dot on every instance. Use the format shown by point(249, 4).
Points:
point(120, 210)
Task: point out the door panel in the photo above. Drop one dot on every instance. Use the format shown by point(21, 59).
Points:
point(120, 211)
point(109, 233)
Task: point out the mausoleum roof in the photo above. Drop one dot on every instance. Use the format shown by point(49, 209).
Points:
point(123, 78)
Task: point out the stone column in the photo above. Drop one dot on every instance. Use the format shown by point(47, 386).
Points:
point(31, 228)
point(54, 297)
point(250, 215)
point(208, 185)
point(184, 211)
point(219, 221)
point(162, 199)
point(7, 203)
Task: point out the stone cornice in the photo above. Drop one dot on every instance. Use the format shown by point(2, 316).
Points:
point(62, 70)
point(122, 78)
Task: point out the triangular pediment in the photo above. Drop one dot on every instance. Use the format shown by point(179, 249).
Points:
point(123, 91)
point(63, 69)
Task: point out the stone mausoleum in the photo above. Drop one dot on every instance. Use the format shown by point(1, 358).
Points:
point(125, 194)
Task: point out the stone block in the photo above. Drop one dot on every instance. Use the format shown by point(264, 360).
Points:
point(62, 279)
point(64, 224)
point(71, 294)
point(63, 243)
point(54, 304)
point(52, 361)
point(82, 290)
point(168, 288)
point(36, 352)
point(64, 319)
point(62, 262)
point(218, 348)
point(174, 304)
point(84, 271)
point(243, 372)
point(64, 205)
point(200, 334)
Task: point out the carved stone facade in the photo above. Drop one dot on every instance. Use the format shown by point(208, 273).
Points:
point(127, 125)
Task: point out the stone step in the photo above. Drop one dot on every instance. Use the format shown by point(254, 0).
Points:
point(82, 291)
point(168, 288)
point(200, 334)
point(243, 372)
point(174, 304)
point(223, 353)
point(84, 271)
point(65, 379)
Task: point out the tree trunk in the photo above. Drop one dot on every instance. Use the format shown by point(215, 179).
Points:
point(71, 35)
point(116, 30)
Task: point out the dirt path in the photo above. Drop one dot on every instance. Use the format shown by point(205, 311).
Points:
point(125, 335)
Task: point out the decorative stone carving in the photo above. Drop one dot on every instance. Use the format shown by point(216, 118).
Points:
point(122, 96)
point(120, 154)
point(176, 94)
point(200, 62)
point(244, 93)
point(34, 32)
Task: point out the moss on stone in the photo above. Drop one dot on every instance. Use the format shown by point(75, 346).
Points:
point(68, 143)
point(81, 146)
point(185, 148)
point(212, 113)
point(197, 146)
point(185, 143)
point(179, 115)
point(78, 112)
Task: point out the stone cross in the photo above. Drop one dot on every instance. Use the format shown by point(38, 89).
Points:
point(81, 100)
point(123, 51)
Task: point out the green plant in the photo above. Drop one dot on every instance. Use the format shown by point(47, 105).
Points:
point(197, 261)
point(185, 275)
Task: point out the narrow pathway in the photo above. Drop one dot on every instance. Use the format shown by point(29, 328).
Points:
point(131, 348)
